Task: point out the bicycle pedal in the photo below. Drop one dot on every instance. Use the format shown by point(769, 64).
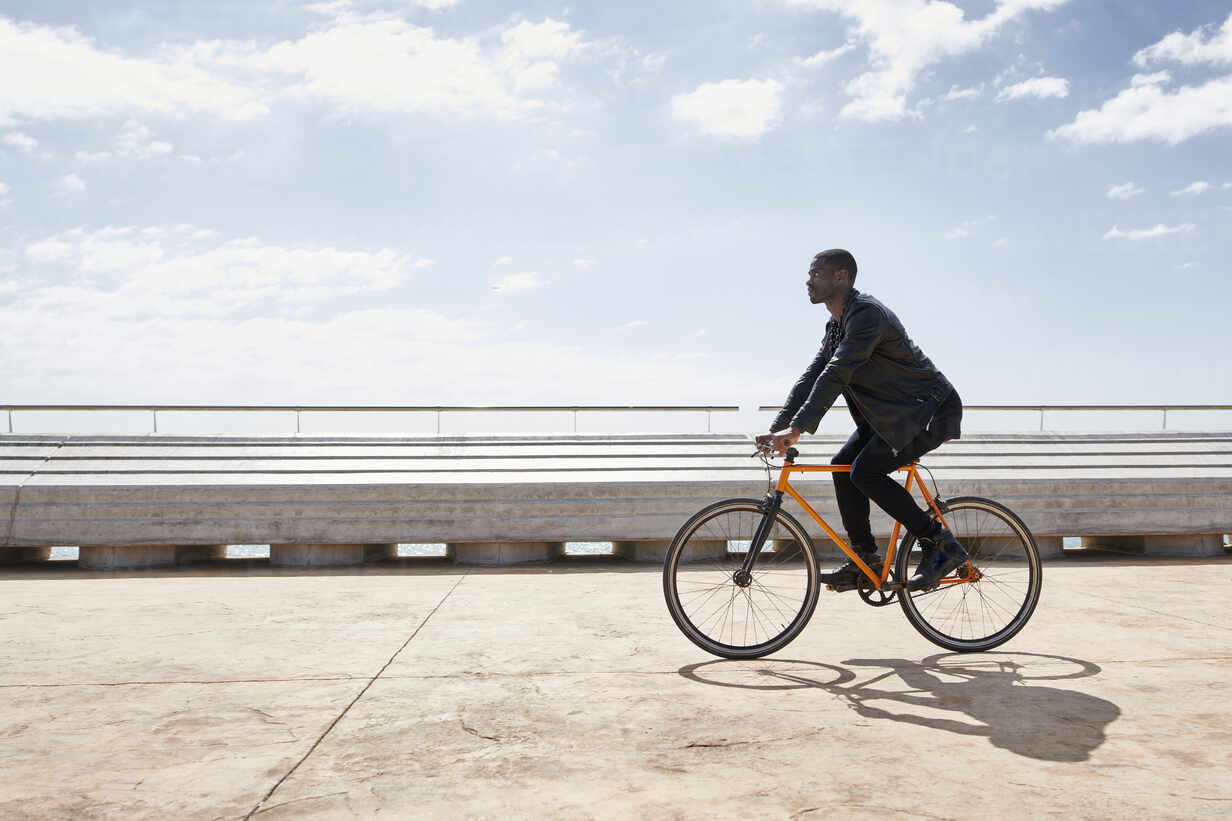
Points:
point(842, 588)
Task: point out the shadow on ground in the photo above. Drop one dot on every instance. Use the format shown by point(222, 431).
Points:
point(991, 694)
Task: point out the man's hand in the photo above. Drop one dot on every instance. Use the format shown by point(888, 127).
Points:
point(779, 441)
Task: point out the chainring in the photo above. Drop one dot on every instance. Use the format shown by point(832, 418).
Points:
point(873, 596)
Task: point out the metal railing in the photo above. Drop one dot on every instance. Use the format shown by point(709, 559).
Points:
point(1040, 409)
point(154, 410)
point(438, 410)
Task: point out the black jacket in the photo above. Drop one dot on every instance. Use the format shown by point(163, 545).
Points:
point(889, 384)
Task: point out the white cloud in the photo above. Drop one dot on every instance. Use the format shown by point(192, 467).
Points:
point(407, 355)
point(1158, 78)
point(135, 140)
point(1225, 186)
point(424, 263)
point(1001, 242)
point(523, 281)
point(503, 261)
point(971, 129)
point(1040, 87)
point(1202, 45)
point(1124, 191)
point(637, 323)
point(174, 313)
point(192, 159)
point(1194, 188)
point(905, 37)
point(4, 189)
point(64, 76)
point(956, 93)
point(823, 57)
point(964, 228)
point(22, 142)
point(1148, 111)
point(89, 157)
point(732, 108)
point(187, 271)
point(1147, 233)
point(356, 62)
point(584, 264)
point(72, 183)
point(377, 63)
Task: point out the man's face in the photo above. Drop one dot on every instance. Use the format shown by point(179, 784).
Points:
point(823, 283)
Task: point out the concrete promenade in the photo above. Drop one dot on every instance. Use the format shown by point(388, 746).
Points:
point(437, 691)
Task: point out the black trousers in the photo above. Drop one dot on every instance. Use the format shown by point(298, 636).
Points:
point(871, 459)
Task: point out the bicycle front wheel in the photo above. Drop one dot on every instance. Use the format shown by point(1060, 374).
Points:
point(701, 587)
point(986, 602)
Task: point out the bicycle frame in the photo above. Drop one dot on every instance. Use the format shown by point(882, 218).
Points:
point(784, 486)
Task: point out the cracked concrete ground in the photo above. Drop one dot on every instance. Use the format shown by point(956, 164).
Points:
point(567, 692)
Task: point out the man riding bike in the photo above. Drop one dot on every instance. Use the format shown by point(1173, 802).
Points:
point(902, 405)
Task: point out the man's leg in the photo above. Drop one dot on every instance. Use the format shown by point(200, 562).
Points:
point(853, 508)
point(942, 552)
point(869, 474)
point(852, 502)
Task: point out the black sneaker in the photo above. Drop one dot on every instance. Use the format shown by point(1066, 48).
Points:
point(846, 577)
point(941, 554)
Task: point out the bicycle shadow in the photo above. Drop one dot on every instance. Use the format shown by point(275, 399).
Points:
point(1046, 722)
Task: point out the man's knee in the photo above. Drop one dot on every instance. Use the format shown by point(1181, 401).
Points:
point(865, 474)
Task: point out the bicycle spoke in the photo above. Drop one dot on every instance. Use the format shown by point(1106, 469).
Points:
point(989, 608)
point(721, 615)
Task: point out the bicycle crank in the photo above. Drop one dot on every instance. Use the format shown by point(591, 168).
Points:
point(877, 598)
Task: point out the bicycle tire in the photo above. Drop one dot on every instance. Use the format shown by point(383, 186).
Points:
point(699, 569)
point(988, 612)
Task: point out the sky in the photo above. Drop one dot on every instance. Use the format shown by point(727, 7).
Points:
point(466, 202)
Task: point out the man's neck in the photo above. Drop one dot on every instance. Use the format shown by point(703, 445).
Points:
point(836, 303)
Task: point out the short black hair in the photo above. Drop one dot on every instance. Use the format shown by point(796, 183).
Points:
point(836, 258)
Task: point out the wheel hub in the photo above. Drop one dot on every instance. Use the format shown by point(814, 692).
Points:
point(742, 578)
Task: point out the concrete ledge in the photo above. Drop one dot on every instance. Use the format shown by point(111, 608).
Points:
point(18, 555)
point(316, 555)
point(380, 552)
point(1049, 547)
point(500, 553)
point(655, 550)
point(126, 557)
point(1192, 545)
point(191, 554)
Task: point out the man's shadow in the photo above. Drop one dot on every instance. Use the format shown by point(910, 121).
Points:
point(991, 689)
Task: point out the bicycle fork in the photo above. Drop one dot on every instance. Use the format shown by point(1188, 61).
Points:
point(770, 505)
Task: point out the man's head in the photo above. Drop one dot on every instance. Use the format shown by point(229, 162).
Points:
point(831, 274)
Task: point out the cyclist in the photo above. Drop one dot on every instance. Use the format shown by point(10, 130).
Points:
point(902, 405)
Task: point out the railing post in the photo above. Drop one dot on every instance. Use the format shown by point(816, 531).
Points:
point(1041, 418)
point(297, 410)
point(1165, 410)
point(154, 411)
point(438, 421)
point(575, 420)
point(10, 420)
point(707, 420)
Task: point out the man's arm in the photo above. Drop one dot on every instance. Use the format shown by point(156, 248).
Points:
point(864, 329)
point(800, 391)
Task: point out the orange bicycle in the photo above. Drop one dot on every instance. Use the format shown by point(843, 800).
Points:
point(740, 577)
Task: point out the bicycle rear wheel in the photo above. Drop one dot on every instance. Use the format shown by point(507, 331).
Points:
point(995, 599)
point(729, 619)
